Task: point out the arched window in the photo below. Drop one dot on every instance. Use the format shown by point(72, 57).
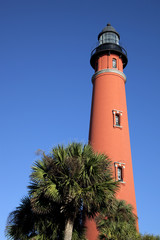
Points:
point(114, 63)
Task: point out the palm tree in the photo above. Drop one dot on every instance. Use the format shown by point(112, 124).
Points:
point(16, 223)
point(24, 224)
point(120, 223)
point(76, 179)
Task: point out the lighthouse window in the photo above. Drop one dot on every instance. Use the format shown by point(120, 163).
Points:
point(119, 169)
point(117, 119)
point(114, 63)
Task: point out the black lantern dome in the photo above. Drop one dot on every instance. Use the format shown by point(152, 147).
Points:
point(109, 43)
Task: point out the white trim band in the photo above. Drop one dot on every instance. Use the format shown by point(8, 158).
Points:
point(108, 70)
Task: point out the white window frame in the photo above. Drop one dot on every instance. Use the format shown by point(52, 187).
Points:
point(119, 165)
point(119, 114)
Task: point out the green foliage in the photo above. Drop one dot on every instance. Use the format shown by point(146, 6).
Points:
point(70, 183)
point(69, 176)
point(20, 224)
point(149, 237)
point(24, 224)
point(117, 222)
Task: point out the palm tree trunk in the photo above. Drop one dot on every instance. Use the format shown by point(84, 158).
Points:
point(68, 230)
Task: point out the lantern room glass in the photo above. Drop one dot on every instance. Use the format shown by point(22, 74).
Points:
point(109, 37)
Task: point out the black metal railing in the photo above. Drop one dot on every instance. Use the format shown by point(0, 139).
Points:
point(109, 47)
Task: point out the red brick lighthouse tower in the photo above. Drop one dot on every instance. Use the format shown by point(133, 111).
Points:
point(109, 132)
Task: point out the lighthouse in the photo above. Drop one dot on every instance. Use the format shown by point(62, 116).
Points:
point(109, 131)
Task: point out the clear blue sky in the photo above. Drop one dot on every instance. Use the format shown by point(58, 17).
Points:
point(45, 88)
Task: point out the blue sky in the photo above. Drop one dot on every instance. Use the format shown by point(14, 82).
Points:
point(45, 88)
